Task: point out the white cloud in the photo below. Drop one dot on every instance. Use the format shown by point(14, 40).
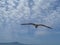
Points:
point(23, 31)
point(40, 33)
point(41, 14)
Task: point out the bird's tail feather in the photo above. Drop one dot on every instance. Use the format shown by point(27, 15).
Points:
point(36, 26)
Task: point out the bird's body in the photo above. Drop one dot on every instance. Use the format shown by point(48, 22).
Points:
point(36, 25)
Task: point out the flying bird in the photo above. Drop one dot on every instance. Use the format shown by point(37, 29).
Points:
point(36, 25)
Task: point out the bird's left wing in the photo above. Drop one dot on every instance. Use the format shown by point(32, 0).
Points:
point(45, 26)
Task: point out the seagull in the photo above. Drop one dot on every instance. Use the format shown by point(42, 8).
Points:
point(36, 25)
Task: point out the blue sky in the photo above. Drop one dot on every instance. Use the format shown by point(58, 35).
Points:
point(15, 12)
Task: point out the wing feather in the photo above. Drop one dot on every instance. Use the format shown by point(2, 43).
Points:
point(45, 26)
point(27, 24)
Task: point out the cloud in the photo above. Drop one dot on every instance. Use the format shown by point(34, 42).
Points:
point(44, 33)
point(43, 11)
point(41, 33)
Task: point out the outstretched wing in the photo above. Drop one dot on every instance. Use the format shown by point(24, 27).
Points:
point(45, 26)
point(28, 24)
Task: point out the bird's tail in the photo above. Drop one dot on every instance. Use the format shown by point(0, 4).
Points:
point(36, 26)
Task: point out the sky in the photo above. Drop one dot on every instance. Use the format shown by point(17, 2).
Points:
point(15, 12)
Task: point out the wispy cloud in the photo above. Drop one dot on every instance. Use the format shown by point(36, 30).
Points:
point(43, 11)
